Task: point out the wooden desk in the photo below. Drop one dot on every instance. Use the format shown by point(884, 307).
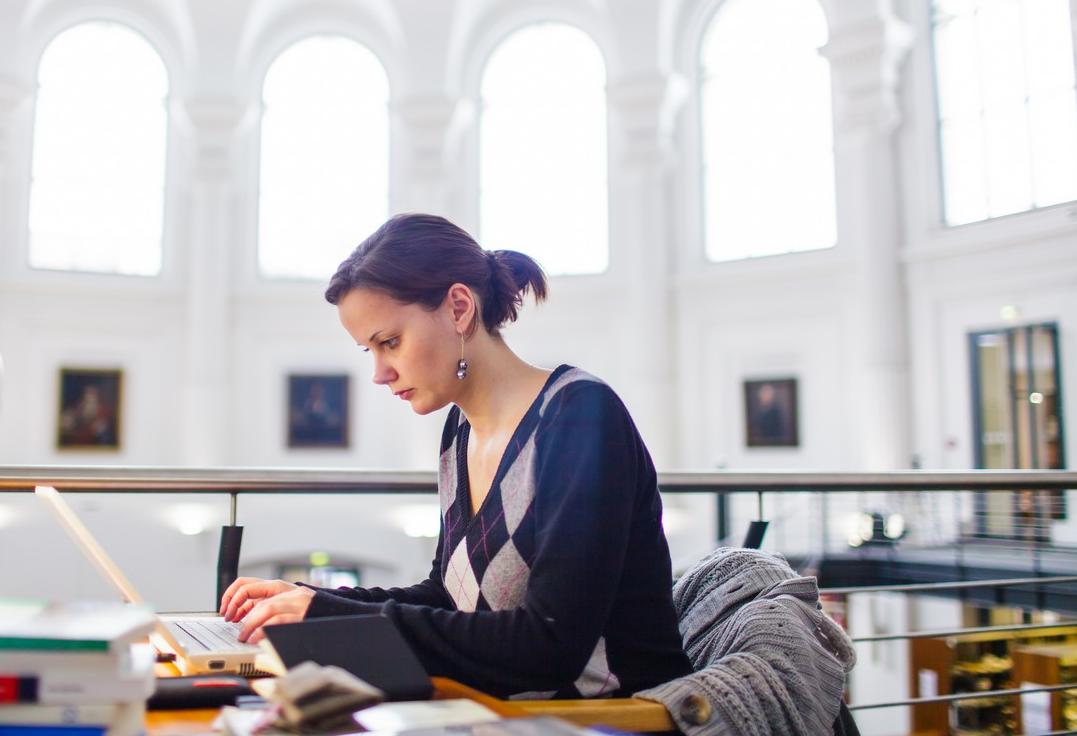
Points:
point(626, 714)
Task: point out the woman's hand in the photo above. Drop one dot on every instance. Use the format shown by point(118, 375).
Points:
point(244, 593)
point(282, 608)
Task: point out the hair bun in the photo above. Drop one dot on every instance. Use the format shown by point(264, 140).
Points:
point(415, 258)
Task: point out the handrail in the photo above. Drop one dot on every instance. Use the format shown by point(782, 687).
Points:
point(947, 633)
point(956, 697)
point(351, 480)
point(957, 585)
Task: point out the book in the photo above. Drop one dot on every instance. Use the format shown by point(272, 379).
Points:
point(116, 662)
point(424, 714)
point(52, 729)
point(125, 719)
point(61, 685)
point(532, 726)
point(85, 626)
point(86, 714)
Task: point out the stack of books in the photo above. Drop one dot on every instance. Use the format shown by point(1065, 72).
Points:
point(74, 669)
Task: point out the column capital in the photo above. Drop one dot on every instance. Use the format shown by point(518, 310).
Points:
point(214, 124)
point(435, 125)
point(12, 96)
point(645, 108)
point(867, 46)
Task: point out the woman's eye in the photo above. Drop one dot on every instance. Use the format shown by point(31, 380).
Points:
point(391, 343)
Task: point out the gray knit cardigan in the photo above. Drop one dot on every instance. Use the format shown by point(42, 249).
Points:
point(768, 660)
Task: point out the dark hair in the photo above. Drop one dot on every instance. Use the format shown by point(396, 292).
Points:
point(415, 258)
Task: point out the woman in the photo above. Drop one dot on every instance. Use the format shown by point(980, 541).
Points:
point(552, 575)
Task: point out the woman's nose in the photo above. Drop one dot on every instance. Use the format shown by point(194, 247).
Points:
point(383, 373)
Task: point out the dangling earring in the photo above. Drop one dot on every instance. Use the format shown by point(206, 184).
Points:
point(461, 367)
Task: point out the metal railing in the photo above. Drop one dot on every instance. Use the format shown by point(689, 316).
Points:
point(944, 485)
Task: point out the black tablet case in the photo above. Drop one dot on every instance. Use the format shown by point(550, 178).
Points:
point(370, 647)
point(197, 691)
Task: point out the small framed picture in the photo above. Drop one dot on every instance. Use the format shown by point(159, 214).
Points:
point(89, 416)
point(318, 410)
point(770, 410)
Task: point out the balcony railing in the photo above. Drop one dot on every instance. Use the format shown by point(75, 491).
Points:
point(813, 518)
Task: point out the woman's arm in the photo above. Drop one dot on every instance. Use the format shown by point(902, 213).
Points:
point(429, 592)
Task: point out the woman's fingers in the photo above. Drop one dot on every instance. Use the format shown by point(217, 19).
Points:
point(231, 591)
point(244, 609)
point(280, 618)
point(292, 605)
point(250, 591)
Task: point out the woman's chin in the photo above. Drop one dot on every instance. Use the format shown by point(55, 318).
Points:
point(422, 408)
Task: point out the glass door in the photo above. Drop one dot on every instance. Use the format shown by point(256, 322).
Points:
point(1017, 424)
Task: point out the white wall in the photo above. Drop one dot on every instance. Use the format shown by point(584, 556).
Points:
point(801, 314)
point(874, 328)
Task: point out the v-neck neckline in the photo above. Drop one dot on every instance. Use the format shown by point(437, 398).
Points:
point(510, 448)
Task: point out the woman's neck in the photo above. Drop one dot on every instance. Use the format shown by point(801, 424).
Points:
point(499, 387)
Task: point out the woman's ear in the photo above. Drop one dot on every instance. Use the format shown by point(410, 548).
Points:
point(463, 307)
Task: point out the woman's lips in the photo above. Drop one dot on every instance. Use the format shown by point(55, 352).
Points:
point(406, 393)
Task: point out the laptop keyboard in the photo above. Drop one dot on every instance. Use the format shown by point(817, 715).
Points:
point(215, 634)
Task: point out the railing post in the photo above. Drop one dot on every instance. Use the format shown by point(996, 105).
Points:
point(228, 554)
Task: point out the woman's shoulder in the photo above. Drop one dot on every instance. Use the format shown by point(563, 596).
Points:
point(453, 420)
point(569, 388)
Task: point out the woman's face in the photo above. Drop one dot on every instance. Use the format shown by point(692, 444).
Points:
point(415, 351)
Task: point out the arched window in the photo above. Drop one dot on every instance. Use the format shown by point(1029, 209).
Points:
point(325, 156)
point(98, 172)
point(543, 149)
point(767, 130)
point(1006, 105)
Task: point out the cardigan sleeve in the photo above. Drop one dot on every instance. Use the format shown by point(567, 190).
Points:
point(588, 461)
point(430, 592)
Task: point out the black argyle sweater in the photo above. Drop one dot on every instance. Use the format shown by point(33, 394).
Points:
point(560, 584)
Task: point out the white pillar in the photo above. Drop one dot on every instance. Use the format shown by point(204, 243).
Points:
point(211, 128)
point(867, 45)
point(642, 109)
point(427, 133)
point(13, 101)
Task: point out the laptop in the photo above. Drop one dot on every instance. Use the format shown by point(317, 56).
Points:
point(202, 643)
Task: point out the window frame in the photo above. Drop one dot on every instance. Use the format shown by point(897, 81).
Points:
point(256, 147)
point(167, 47)
point(703, 25)
point(483, 59)
point(927, 28)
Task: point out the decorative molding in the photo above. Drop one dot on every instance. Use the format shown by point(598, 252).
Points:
point(866, 54)
point(214, 126)
point(645, 107)
point(435, 127)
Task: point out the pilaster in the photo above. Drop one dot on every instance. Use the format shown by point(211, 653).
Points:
point(14, 101)
point(642, 112)
point(211, 128)
point(867, 46)
point(428, 134)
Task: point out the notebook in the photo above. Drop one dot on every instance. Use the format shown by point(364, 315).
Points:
point(202, 643)
point(368, 646)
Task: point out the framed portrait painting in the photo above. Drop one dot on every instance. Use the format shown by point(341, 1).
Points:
point(318, 410)
point(770, 411)
point(90, 409)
